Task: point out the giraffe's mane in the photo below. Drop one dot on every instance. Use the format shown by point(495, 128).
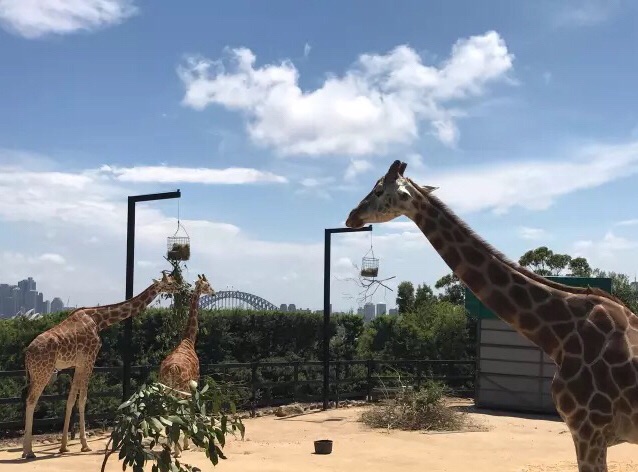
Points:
point(507, 261)
point(111, 305)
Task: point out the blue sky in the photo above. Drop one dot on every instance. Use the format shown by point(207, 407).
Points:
point(275, 118)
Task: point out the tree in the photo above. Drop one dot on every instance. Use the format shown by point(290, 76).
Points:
point(424, 295)
point(453, 289)
point(546, 262)
point(621, 287)
point(579, 267)
point(405, 297)
point(157, 416)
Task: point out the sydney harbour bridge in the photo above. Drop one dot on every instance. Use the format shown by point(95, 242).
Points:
point(230, 299)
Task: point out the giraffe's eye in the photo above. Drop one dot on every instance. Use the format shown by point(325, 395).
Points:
point(378, 192)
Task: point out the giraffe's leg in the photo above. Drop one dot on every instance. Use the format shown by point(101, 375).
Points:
point(70, 402)
point(186, 445)
point(35, 388)
point(84, 386)
point(591, 454)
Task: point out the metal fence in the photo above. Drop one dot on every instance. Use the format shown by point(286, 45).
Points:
point(266, 384)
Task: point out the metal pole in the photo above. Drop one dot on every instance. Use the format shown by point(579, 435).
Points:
point(130, 265)
point(326, 305)
point(128, 323)
point(326, 317)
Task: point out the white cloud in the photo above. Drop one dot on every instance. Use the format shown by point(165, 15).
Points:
point(380, 102)
point(534, 185)
point(168, 174)
point(356, 167)
point(53, 258)
point(585, 12)
point(532, 234)
point(306, 50)
point(610, 251)
point(630, 222)
point(36, 18)
point(86, 214)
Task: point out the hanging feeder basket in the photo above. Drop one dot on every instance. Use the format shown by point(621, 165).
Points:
point(369, 267)
point(178, 247)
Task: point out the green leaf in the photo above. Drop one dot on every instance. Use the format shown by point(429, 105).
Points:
point(165, 421)
point(205, 389)
point(156, 424)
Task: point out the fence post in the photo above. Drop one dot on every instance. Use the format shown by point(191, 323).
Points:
point(253, 386)
point(370, 365)
point(419, 374)
point(337, 370)
point(295, 385)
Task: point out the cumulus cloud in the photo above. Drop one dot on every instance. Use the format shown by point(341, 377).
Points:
point(79, 226)
point(37, 18)
point(532, 234)
point(610, 251)
point(381, 101)
point(356, 167)
point(530, 184)
point(169, 174)
point(582, 13)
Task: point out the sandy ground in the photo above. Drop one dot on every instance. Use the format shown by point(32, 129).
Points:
point(512, 444)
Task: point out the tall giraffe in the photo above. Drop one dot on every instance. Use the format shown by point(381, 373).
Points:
point(591, 335)
point(75, 342)
point(182, 364)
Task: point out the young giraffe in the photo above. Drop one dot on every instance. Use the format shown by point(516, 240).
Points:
point(591, 336)
point(182, 364)
point(75, 342)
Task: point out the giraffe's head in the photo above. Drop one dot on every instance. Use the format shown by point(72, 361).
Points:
point(391, 197)
point(203, 286)
point(167, 284)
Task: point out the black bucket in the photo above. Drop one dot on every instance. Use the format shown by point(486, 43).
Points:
point(323, 446)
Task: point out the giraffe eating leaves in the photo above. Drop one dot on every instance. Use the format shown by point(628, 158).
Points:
point(591, 335)
point(75, 343)
point(181, 366)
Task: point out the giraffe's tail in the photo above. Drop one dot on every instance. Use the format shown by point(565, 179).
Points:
point(27, 384)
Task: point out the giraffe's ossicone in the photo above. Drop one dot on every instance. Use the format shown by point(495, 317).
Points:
point(590, 334)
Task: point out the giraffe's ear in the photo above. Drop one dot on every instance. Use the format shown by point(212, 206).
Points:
point(155, 281)
point(429, 189)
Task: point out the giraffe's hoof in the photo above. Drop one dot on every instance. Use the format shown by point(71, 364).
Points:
point(86, 449)
point(28, 455)
point(64, 449)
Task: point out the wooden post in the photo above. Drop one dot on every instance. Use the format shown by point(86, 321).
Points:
point(370, 365)
point(337, 370)
point(253, 386)
point(295, 385)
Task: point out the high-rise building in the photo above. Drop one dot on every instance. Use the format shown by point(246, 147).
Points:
point(393, 311)
point(368, 311)
point(381, 309)
point(360, 311)
point(57, 305)
point(47, 306)
point(39, 303)
point(292, 307)
point(283, 307)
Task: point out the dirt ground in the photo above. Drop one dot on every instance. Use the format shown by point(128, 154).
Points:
point(511, 444)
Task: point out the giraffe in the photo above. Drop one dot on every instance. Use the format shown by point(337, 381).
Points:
point(590, 335)
point(182, 364)
point(75, 342)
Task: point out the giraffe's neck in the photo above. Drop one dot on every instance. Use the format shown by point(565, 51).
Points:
point(190, 332)
point(107, 315)
point(537, 311)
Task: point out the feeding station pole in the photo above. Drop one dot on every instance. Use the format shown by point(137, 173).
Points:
point(326, 305)
point(130, 262)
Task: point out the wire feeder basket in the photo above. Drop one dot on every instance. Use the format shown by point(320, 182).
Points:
point(178, 247)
